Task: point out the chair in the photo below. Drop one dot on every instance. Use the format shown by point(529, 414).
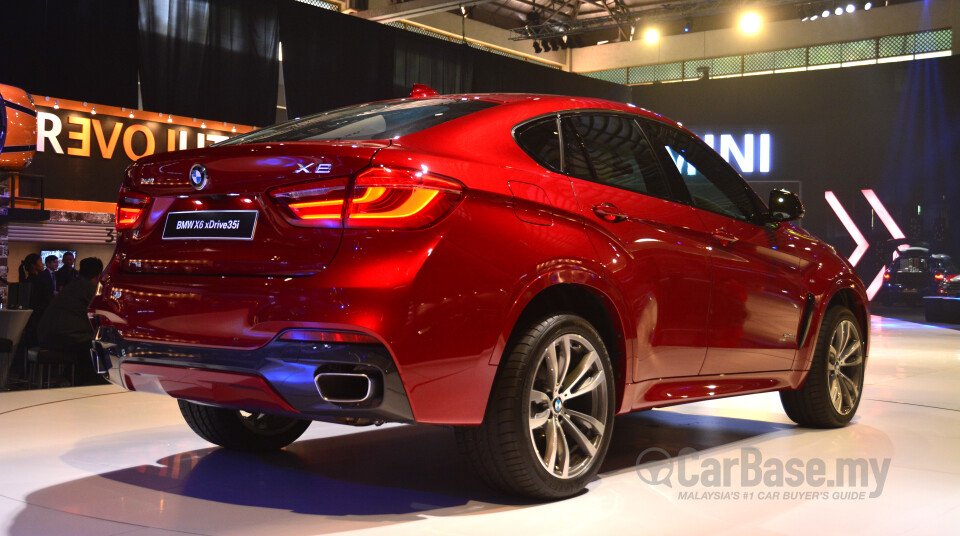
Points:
point(39, 359)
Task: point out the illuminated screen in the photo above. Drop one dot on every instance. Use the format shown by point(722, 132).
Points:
point(59, 253)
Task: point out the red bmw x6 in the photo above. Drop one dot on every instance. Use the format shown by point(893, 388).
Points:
point(521, 267)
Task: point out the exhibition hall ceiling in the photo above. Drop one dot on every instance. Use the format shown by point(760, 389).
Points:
point(613, 19)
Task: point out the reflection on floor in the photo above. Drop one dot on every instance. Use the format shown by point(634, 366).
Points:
point(99, 461)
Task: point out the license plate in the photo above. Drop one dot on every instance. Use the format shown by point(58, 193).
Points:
point(211, 224)
point(910, 291)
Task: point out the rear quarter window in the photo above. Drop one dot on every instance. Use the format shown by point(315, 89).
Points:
point(541, 140)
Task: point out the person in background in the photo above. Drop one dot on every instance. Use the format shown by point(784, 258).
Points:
point(67, 272)
point(64, 326)
point(30, 269)
point(48, 278)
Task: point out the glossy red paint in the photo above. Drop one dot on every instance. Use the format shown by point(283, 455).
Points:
point(242, 391)
point(685, 301)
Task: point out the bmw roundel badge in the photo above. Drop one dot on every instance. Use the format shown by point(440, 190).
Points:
point(198, 176)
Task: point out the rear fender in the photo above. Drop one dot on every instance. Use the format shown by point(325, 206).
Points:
point(612, 300)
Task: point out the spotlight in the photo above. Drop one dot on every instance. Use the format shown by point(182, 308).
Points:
point(750, 23)
point(851, 8)
point(867, 6)
point(838, 11)
point(93, 111)
point(170, 118)
point(651, 36)
point(536, 47)
point(56, 104)
point(826, 13)
point(814, 16)
point(687, 25)
point(546, 45)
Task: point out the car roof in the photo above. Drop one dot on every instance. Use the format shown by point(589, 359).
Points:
point(562, 102)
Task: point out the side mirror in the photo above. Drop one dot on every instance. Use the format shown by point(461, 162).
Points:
point(784, 206)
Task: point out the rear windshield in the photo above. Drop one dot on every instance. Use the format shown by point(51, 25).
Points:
point(375, 121)
point(912, 264)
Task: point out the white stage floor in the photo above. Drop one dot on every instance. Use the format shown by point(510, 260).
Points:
point(99, 461)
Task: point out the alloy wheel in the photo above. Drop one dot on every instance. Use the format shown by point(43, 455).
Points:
point(845, 367)
point(568, 406)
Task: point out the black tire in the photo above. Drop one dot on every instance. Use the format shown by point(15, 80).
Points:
point(235, 430)
point(812, 404)
point(505, 448)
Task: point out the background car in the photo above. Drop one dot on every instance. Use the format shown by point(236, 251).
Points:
point(521, 267)
point(915, 273)
point(950, 285)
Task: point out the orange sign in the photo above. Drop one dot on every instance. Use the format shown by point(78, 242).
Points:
point(18, 128)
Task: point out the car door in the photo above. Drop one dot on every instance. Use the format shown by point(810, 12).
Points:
point(644, 238)
point(758, 297)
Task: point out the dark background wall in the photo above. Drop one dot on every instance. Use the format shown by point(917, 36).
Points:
point(217, 59)
point(893, 128)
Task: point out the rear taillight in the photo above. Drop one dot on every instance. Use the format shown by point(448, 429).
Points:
point(886, 275)
point(313, 204)
point(938, 277)
point(130, 207)
point(382, 198)
point(392, 198)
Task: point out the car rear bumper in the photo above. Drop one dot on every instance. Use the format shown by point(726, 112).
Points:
point(280, 377)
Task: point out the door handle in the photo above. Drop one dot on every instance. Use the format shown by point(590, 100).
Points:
point(724, 236)
point(608, 212)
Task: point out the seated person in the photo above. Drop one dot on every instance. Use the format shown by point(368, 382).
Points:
point(64, 326)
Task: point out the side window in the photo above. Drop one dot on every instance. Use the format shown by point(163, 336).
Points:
point(620, 154)
point(713, 185)
point(541, 141)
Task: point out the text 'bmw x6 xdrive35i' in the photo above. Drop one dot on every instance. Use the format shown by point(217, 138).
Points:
point(520, 267)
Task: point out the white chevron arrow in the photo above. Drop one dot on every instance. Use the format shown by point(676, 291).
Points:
point(892, 228)
point(851, 228)
point(862, 244)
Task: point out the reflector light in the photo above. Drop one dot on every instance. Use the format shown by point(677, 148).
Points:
point(130, 206)
point(346, 337)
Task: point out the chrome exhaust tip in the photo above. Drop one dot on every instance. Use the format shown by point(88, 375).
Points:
point(344, 387)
